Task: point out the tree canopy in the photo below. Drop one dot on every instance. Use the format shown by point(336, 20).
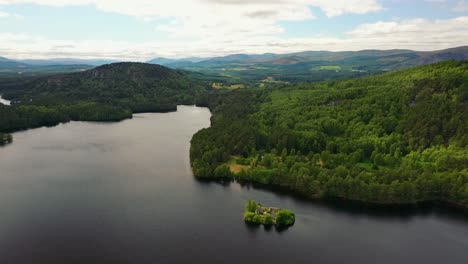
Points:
point(399, 137)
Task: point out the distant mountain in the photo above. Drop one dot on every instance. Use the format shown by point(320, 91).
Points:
point(33, 68)
point(6, 64)
point(419, 58)
point(49, 62)
point(166, 61)
point(289, 60)
point(344, 55)
point(460, 54)
point(2, 59)
point(233, 58)
point(311, 65)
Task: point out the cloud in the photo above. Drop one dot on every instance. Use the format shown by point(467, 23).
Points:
point(416, 34)
point(220, 27)
point(8, 15)
point(416, 30)
point(340, 7)
point(165, 8)
point(462, 6)
point(214, 19)
point(262, 13)
point(331, 8)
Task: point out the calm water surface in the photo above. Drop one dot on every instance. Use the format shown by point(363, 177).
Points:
point(124, 193)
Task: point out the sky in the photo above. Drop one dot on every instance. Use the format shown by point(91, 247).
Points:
point(140, 30)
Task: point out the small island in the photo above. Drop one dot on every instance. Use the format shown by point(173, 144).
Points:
point(255, 213)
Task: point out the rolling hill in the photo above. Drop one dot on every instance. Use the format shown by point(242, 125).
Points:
point(311, 65)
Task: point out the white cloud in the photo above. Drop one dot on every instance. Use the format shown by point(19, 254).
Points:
point(216, 19)
point(462, 6)
point(220, 27)
point(416, 34)
point(173, 8)
point(416, 30)
point(340, 7)
point(8, 15)
point(228, 21)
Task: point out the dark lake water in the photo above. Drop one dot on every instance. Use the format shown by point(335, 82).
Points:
point(124, 193)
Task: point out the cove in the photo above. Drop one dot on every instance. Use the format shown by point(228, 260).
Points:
point(124, 192)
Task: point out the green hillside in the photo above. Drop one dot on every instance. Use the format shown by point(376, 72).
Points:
point(107, 93)
point(400, 137)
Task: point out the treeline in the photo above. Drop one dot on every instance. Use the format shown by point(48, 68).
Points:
point(396, 138)
point(107, 93)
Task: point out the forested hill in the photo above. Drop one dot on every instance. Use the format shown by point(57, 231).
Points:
point(107, 93)
point(400, 137)
point(135, 86)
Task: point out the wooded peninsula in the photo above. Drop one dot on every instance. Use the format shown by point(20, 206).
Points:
point(396, 138)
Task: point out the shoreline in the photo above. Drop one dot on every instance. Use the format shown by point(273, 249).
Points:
point(163, 111)
point(342, 201)
point(275, 188)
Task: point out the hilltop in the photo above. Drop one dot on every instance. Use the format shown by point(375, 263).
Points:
point(136, 86)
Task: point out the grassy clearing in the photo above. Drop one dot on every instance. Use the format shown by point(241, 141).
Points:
point(225, 86)
point(235, 167)
point(327, 68)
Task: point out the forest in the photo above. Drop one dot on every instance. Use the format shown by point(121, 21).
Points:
point(399, 137)
point(107, 93)
point(396, 138)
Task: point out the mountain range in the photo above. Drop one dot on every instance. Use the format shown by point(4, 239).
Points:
point(409, 56)
point(259, 68)
point(311, 65)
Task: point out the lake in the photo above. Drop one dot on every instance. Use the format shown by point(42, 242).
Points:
point(124, 193)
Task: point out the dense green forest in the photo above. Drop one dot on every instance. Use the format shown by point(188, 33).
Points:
point(107, 93)
point(400, 137)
